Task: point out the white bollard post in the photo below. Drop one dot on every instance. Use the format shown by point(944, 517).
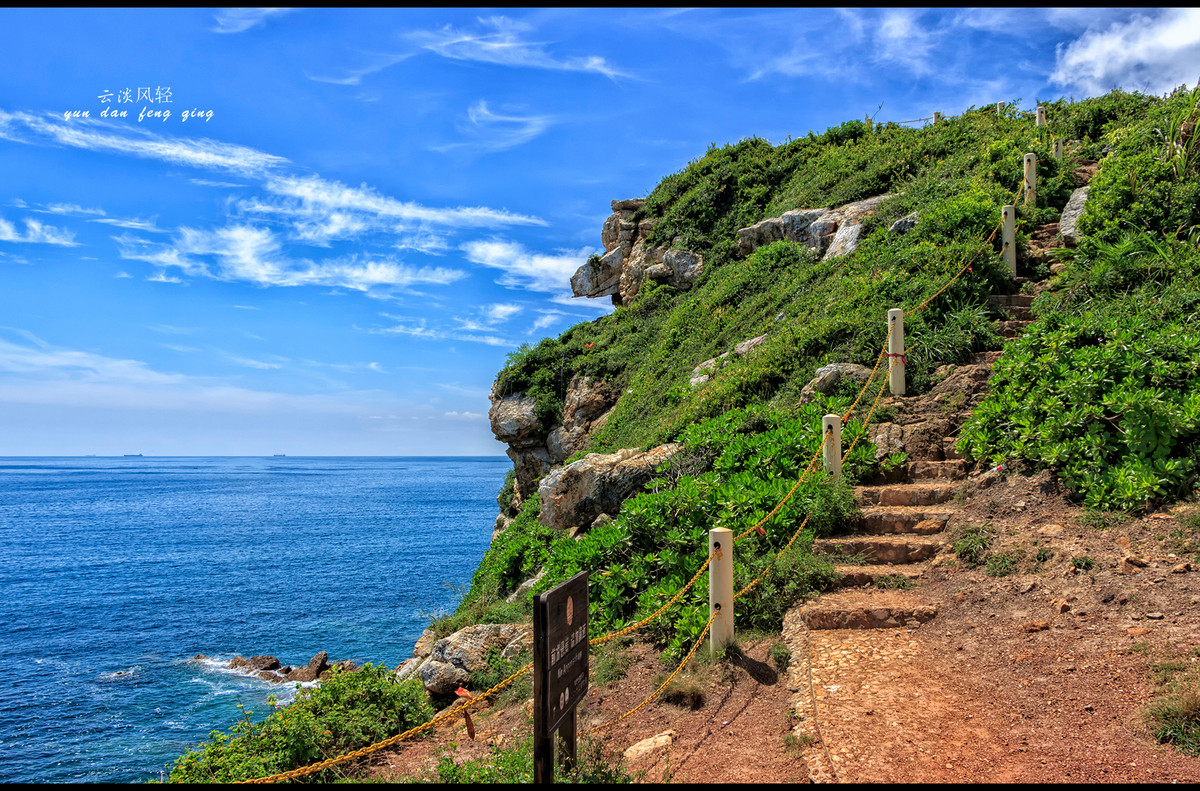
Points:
point(1041, 117)
point(1058, 149)
point(936, 116)
point(896, 350)
point(720, 588)
point(999, 108)
point(831, 429)
point(1031, 179)
point(1008, 234)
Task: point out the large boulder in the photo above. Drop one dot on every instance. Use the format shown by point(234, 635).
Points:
point(628, 261)
point(831, 232)
point(312, 671)
point(514, 420)
point(828, 376)
point(453, 659)
point(586, 406)
point(254, 664)
point(1069, 220)
point(576, 494)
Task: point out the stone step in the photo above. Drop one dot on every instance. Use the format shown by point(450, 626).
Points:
point(1011, 329)
point(905, 494)
point(1007, 300)
point(904, 519)
point(860, 576)
point(953, 469)
point(866, 608)
point(1019, 313)
point(879, 549)
point(948, 449)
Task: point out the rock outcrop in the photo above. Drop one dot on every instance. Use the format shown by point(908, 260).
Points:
point(534, 453)
point(312, 671)
point(829, 375)
point(575, 495)
point(453, 659)
point(628, 261)
point(702, 372)
point(1068, 221)
point(831, 232)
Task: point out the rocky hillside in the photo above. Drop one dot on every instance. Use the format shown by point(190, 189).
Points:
point(751, 291)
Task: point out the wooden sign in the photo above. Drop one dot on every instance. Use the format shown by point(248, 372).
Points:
point(560, 669)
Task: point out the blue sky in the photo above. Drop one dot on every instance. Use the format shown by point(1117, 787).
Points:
point(321, 231)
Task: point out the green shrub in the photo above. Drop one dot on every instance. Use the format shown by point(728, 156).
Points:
point(347, 711)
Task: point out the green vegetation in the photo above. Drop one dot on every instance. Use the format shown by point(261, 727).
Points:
point(780, 655)
point(1105, 387)
point(893, 582)
point(347, 711)
point(973, 543)
point(1001, 564)
point(513, 763)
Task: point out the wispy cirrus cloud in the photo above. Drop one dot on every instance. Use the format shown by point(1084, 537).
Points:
point(36, 233)
point(95, 134)
point(499, 40)
point(419, 327)
point(355, 76)
point(239, 20)
point(249, 254)
point(489, 131)
point(525, 269)
point(1154, 52)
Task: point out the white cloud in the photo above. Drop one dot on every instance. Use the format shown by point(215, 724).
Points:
point(96, 135)
point(312, 196)
point(250, 254)
point(418, 327)
point(131, 223)
point(466, 415)
point(1154, 53)
point(36, 233)
point(209, 183)
point(525, 269)
point(495, 132)
point(500, 42)
point(548, 319)
point(69, 208)
point(355, 76)
point(238, 20)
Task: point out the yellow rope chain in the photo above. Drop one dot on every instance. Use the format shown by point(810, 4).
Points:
point(455, 710)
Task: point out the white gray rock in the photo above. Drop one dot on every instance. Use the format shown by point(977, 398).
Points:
point(703, 372)
point(576, 494)
point(828, 376)
point(1068, 222)
point(454, 658)
point(905, 223)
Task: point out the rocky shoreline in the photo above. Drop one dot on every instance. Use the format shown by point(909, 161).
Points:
point(269, 668)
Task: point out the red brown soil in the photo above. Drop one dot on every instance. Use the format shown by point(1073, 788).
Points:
point(1001, 687)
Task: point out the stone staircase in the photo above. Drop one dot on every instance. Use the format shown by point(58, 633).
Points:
point(903, 527)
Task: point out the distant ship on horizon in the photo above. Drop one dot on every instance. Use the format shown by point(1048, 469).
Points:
point(277, 455)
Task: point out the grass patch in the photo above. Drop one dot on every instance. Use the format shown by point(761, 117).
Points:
point(1001, 564)
point(973, 543)
point(686, 690)
point(894, 582)
point(780, 655)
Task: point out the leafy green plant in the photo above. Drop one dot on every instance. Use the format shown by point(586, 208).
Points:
point(1082, 563)
point(347, 711)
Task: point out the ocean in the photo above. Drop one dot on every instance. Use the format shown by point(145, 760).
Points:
point(115, 572)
